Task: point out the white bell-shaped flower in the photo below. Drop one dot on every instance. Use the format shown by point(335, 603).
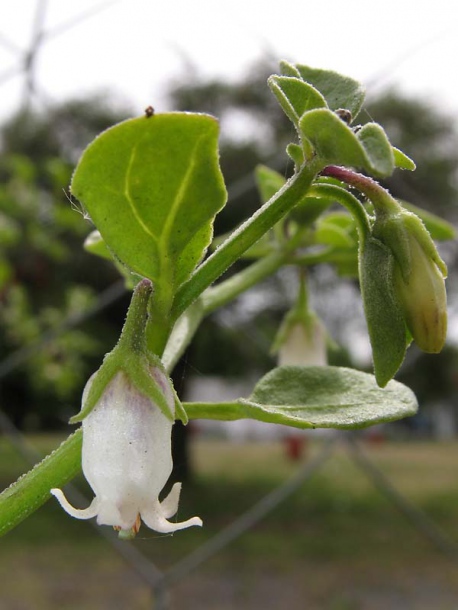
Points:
point(302, 339)
point(127, 459)
point(304, 344)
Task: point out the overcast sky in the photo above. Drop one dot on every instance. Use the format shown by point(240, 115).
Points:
point(134, 47)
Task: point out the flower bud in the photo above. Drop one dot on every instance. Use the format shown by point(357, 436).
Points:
point(423, 298)
point(418, 277)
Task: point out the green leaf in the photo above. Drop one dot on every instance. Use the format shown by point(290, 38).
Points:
point(268, 182)
point(402, 161)
point(295, 96)
point(378, 148)
point(309, 209)
point(339, 91)
point(337, 144)
point(332, 139)
point(385, 320)
point(152, 187)
point(331, 232)
point(316, 397)
point(298, 154)
point(288, 69)
point(95, 245)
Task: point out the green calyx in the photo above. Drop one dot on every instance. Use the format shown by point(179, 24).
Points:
point(132, 358)
point(299, 314)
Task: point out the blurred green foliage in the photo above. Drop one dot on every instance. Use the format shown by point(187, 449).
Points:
point(46, 279)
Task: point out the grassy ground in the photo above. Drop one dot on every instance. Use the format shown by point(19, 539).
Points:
point(336, 544)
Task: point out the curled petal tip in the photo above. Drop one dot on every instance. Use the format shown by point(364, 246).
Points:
point(86, 513)
point(169, 505)
point(156, 520)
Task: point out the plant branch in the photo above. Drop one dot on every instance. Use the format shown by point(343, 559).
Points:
point(31, 490)
point(245, 236)
point(350, 202)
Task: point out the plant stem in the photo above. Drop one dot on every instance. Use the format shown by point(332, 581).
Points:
point(217, 296)
point(382, 200)
point(350, 202)
point(245, 236)
point(31, 490)
point(132, 332)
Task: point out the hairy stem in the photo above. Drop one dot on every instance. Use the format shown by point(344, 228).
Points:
point(382, 200)
point(245, 236)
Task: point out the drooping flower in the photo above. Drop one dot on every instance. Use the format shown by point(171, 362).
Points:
point(126, 459)
point(302, 338)
point(304, 344)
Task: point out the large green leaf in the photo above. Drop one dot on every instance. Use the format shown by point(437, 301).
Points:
point(316, 397)
point(152, 186)
point(339, 91)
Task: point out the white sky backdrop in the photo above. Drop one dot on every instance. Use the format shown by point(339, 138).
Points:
point(133, 47)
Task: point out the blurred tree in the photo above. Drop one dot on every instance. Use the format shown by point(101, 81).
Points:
point(45, 276)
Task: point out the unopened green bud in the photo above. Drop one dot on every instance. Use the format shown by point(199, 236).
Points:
point(418, 277)
point(423, 298)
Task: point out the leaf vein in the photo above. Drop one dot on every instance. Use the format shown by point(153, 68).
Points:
point(176, 203)
point(130, 199)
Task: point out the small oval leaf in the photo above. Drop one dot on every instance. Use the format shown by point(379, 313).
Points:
point(332, 139)
point(336, 143)
point(316, 397)
point(378, 149)
point(295, 96)
point(402, 161)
